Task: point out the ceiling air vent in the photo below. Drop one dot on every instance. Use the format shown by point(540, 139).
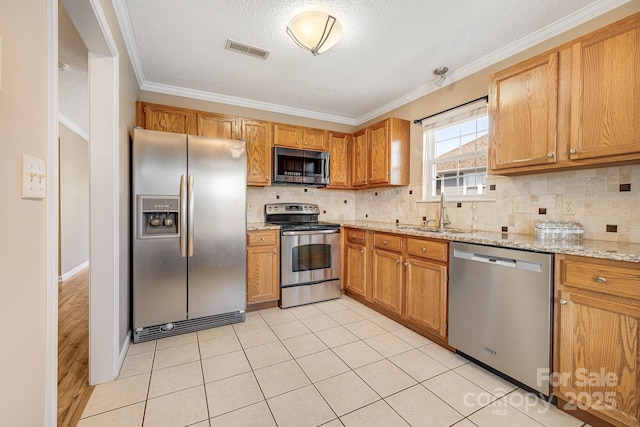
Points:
point(247, 49)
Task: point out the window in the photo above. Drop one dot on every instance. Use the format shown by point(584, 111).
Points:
point(455, 152)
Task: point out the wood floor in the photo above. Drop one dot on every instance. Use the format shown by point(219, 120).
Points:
point(73, 348)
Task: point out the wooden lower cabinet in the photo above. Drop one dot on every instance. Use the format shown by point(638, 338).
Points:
point(426, 290)
point(355, 277)
point(405, 277)
point(387, 280)
point(597, 347)
point(263, 266)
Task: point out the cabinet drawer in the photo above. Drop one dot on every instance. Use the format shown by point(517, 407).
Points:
point(615, 278)
point(428, 249)
point(262, 237)
point(387, 241)
point(355, 236)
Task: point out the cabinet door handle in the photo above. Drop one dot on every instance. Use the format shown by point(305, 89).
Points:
point(573, 151)
point(369, 179)
point(353, 236)
point(275, 251)
point(563, 301)
point(384, 242)
point(362, 251)
point(601, 279)
point(550, 155)
point(397, 261)
point(406, 263)
point(262, 239)
point(424, 249)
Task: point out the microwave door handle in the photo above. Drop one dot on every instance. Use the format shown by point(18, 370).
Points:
point(183, 217)
point(326, 166)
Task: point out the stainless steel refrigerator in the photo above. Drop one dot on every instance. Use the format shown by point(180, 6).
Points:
point(188, 233)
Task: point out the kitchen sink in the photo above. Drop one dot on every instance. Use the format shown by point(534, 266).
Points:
point(431, 229)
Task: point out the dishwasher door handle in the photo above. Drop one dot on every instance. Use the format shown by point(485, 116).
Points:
point(495, 260)
point(505, 262)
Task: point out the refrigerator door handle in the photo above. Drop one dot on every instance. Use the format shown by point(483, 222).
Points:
point(190, 197)
point(183, 216)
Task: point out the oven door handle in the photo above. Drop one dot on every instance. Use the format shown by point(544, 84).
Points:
point(306, 233)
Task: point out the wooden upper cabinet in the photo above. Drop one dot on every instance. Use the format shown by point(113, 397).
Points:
point(360, 158)
point(166, 119)
point(523, 113)
point(339, 144)
point(285, 136)
point(299, 137)
point(381, 154)
point(218, 126)
point(257, 135)
point(577, 106)
point(605, 93)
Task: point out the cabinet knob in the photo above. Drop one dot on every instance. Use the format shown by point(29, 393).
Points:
point(406, 263)
point(573, 151)
point(601, 279)
point(275, 251)
point(297, 143)
point(305, 144)
point(266, 178)
point(384, 242)
point(369, 179)
point(397, 261)
point(353, 236)
point(424, 249)
point(364, 180)
point(550, 155)
point(563, 301)
point(362, 251)
point(262, 239)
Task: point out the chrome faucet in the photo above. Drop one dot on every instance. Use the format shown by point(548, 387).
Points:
point(444, 216)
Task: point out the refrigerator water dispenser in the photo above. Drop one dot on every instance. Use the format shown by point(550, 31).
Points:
point(158, 216)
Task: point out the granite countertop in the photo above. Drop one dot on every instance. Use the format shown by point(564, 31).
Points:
point(621, 251)
point(253, 226)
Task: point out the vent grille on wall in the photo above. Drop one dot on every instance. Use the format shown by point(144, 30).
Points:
point(247, 49)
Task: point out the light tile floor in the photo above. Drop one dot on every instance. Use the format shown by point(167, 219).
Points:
point(334, 363)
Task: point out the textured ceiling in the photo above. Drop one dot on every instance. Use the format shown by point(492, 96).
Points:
point(385, 58)
point(73, 83)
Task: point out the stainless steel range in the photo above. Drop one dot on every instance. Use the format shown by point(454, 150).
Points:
point(309, 254)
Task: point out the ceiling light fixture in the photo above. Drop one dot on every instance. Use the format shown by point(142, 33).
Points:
point(316, 32)
point(441, 72)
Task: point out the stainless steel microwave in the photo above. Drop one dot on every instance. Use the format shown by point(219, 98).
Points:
point(292, 166)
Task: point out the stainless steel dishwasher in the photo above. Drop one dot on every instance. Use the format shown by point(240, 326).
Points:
point(500, 310)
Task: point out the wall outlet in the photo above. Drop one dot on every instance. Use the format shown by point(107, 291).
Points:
point(568, 207)
point(521, 205)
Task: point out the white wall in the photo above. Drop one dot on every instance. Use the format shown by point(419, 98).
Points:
point(74, 202)
point(23, 262)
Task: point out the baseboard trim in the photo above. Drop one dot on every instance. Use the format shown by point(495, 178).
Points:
point(69, 274)
point(123, 354)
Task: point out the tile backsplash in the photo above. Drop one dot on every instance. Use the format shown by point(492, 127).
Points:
point(601, 198)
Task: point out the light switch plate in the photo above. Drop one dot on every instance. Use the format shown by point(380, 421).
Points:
point(34, 178)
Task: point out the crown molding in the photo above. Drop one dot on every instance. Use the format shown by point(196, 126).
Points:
point(71, 125)
point(579, 17)
point(244, 102)
point(124, 21)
